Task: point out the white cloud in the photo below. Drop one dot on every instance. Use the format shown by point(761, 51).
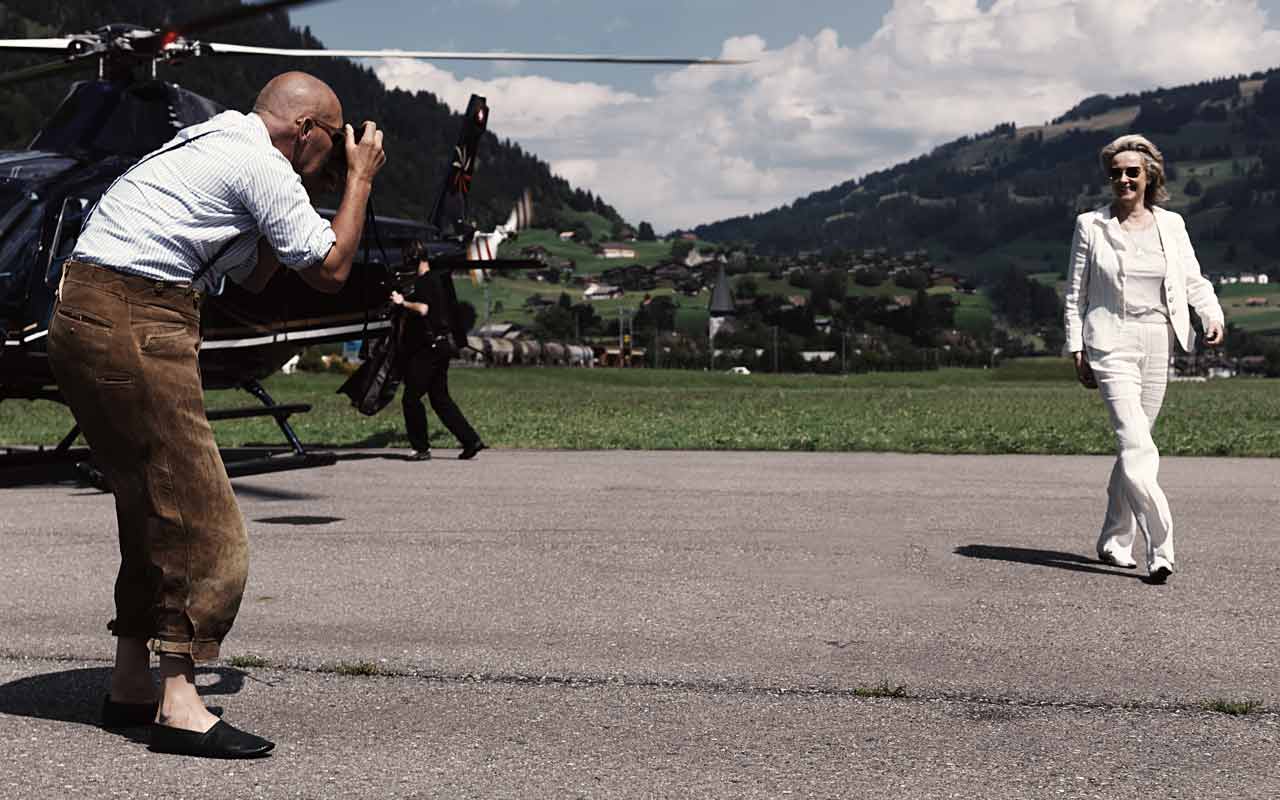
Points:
point(721, 141)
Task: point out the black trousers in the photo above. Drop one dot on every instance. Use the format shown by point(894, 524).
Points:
point(426, 371)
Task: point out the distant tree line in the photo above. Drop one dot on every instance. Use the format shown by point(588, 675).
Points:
point(420, 130)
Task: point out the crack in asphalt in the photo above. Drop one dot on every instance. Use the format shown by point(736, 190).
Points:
point(368, 670)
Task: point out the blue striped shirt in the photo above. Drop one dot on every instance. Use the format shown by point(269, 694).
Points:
point(175, 211)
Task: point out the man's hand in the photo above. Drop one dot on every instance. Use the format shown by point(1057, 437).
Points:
point(363, 162)
point(418, 308)
point(1084, 372)
point(1213, 334)
point(366, 157)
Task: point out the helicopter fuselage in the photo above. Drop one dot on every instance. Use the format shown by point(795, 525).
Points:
point(46, 193)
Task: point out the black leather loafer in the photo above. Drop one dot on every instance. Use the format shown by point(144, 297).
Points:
point(469, 452)
point(127, 715)
point(221, 741)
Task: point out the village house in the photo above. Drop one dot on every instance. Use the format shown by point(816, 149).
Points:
point(601, 291)
point(617, 250)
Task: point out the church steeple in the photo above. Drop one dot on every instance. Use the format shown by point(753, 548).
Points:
point(721, 308)
point(722, 297)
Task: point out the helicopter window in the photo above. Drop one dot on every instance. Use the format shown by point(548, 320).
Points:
point(19, 238)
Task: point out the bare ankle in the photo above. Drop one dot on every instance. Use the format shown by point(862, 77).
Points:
point(186, 717)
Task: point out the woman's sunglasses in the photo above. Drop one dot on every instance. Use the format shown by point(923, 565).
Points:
point(1132, 173)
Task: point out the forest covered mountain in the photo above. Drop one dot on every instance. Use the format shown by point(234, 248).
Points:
point(984, 202)
point(420, 129)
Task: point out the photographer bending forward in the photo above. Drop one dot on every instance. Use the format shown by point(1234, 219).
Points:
point(223, 198)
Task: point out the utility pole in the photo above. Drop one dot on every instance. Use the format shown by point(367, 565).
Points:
point(844, 349)
point(775, 349)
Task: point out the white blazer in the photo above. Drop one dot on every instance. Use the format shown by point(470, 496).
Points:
point(1094, 306)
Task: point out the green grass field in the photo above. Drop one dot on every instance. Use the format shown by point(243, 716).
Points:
point(587, 263)
point(1029, 406)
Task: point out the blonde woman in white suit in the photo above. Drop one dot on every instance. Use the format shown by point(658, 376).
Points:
point(1133, 274)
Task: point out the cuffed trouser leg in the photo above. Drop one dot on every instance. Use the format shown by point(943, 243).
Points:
point(1132, 379)
point(125, 356)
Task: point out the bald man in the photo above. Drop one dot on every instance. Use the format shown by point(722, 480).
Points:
point(223, 200)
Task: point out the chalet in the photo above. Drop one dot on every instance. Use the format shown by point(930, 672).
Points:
point(601, 291)
point(617, 250)
point(498, 330)
point(818, 356)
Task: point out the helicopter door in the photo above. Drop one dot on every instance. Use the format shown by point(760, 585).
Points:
point(65, 233)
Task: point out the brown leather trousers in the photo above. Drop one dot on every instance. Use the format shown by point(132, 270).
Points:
point(124, 351)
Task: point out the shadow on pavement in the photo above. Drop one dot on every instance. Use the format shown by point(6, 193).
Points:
point(298, 520)
point(75, 695)
point(270, 493)
point(1041, 558)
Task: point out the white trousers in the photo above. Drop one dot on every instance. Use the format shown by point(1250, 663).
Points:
point(1132, 378)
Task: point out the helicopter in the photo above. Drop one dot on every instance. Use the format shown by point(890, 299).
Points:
point(104, 125)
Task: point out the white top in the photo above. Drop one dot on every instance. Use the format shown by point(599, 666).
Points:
point(1144, 273)
point(219, 184)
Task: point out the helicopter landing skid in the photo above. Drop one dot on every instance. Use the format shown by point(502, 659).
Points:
point(299, 457)
point(39, 460)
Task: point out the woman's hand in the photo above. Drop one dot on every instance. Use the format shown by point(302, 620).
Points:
point(1213, 334)
point(397, 298)
point(1084, 372)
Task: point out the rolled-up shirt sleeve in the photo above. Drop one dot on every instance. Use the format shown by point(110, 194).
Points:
point(273, 194)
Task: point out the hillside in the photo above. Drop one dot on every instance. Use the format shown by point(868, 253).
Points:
point(421, 130)
point(1007, 196)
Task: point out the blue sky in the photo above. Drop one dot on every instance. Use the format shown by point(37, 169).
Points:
point(838, 87)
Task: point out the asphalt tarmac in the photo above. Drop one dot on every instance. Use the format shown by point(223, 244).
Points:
point(674, 624)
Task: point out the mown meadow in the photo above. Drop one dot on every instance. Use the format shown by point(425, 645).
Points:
point(1030, 406)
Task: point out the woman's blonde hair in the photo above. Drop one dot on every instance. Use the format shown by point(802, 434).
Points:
point(1152, 163)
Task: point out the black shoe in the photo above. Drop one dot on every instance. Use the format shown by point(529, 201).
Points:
point(127, 715)
point(420, 455)
point(223, 740)
point(469, 451)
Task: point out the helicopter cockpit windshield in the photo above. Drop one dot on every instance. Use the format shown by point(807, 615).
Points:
point(22, 176)
point(17, 203)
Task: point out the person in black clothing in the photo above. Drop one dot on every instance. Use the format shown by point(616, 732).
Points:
point(430, 333)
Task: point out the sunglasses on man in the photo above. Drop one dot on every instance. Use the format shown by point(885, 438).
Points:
point(337, 134)
point(1132, 173)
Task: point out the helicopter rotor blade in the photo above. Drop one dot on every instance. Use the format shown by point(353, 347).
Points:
point(236, 14)
point(44, 70)
point(445, 55)
point(36, 45)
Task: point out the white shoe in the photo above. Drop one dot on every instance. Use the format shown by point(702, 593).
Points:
point(1160, 570)
point(1123, 560)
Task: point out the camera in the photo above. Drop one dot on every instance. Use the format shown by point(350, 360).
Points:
point(334, 174)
